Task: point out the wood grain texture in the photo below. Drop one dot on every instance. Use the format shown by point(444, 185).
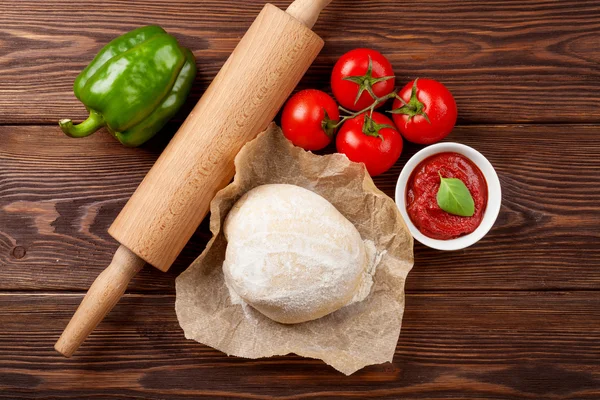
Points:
point(42, 242)
point(514, 345)
point(57, 199)
point(514, 317)
point(505, 61)
point(104, 293)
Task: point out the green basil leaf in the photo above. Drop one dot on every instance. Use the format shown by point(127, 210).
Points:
point(454, 197)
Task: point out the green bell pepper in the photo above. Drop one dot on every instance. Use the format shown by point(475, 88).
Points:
point(134, 85)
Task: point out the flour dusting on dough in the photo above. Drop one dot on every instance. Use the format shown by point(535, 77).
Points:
point(293, 256)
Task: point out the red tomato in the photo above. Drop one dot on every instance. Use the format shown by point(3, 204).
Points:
point(355, 73)
point(374, 142)
point(308, 119)
point(429, 113)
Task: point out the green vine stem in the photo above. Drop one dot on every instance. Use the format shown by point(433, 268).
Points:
point(370, 109)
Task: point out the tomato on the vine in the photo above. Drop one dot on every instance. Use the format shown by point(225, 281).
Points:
point(358, 76)
point(373, 141)
point(309, 119)
point(428, 112)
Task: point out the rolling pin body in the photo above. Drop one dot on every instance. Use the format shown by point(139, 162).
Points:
point(242, 100)
point(175, 196)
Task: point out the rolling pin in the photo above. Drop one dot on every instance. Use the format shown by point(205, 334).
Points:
point(174, 197)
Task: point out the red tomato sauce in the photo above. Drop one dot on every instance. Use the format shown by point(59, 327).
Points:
point(421, 196)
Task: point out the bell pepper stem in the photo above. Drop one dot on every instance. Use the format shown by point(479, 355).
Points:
point(86, 128)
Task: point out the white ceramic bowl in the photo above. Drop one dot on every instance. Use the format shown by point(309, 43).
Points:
point(494, 195)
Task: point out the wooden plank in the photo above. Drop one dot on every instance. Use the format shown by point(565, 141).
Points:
point(486, 345)
point(59, 195)
point(506, 62)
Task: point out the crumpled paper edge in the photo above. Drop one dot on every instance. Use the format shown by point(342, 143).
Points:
point(246, 326)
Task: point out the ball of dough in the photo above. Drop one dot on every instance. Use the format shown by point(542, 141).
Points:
point(292, 255)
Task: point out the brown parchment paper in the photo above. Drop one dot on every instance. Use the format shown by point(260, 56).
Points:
point(361, 334)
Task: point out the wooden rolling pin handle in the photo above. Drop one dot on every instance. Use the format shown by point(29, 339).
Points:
point(102, 296)
point(307, 11)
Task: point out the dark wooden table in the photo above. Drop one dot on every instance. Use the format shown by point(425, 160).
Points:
point(515, 316)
